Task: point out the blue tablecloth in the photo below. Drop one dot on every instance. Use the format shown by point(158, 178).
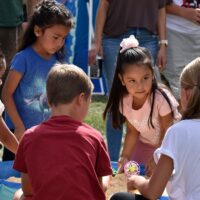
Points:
point(7, 188)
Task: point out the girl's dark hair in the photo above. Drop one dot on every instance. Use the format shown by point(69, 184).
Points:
point(134, 56)
point(2, 57)
point(47, 13)
point(2, 54)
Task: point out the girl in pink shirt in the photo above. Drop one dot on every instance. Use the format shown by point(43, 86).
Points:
point(136, 98)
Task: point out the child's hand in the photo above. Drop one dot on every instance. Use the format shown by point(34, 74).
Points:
point(122, 161)
point(130, 183)
point(106, 180)
point(150, 167)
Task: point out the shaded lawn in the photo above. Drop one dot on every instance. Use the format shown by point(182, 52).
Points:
point(95, 113)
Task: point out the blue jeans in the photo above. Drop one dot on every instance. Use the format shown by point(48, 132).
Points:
point(110, 49)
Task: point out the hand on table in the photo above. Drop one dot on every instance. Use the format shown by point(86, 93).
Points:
point(122, 161)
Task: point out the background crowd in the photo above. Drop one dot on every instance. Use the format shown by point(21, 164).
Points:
point(146, 47)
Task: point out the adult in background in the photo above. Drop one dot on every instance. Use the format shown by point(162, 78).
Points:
point(11, 23)
point(183, 33)
point(116, 20)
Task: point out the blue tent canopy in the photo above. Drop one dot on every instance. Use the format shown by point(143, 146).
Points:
point(78, 41)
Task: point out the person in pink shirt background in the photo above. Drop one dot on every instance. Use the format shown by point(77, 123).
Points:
point(136, 98)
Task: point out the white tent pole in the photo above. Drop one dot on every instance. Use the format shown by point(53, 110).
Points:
point(90, 17)
point(90, 38)
point(90, 25)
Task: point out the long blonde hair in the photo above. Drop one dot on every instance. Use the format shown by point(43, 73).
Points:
point(190, 79)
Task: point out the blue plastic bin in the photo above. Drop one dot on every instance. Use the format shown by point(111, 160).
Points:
point(7, 188)
point(6, 170)
point(114, 166)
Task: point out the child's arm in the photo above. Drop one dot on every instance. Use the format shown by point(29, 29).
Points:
point(165, 122)
point(26, 191)
point(7, 137)
point(18, 195)
point(190, 14)
point(129, 145)
point(104, 182)
point(26, 185)
point(153, 188)
point(10, 86)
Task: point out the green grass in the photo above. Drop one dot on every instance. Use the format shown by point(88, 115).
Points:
point(95, 113)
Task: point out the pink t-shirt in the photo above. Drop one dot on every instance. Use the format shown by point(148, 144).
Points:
point(139, 118)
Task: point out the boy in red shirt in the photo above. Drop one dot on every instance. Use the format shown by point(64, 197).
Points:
point(63, 158)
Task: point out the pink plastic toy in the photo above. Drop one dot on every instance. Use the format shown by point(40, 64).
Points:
point(131, 168)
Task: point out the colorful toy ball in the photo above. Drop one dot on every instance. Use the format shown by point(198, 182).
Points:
point(131, 168)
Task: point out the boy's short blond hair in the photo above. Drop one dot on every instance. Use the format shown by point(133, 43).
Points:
point(65, 82)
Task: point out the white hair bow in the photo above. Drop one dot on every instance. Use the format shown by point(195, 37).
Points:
point(130, 42)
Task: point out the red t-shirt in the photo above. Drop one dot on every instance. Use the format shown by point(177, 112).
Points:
point(64, 159)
